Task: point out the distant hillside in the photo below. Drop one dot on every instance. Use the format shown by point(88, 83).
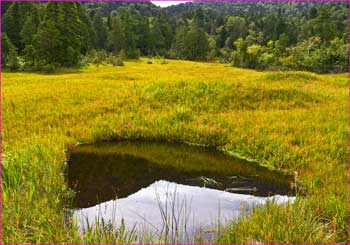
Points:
point(143, 8)
point(226, 8)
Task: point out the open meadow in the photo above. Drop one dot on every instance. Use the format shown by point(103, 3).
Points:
point(294, 122)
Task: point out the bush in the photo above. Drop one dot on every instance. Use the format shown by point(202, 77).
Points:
point(102, 56)
point(29, 56)
point(134, 53)
point(84, 60)
point(96, 57)
point(122, 55)
point(13, 63)
point(119, 62)
point(149, 62)
point(115, 61)
point(9, 56)
point(48, 68)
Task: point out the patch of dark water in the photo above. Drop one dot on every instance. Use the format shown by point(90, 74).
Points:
point(146, 183)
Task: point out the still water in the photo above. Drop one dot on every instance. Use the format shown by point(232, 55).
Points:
point(163, 186)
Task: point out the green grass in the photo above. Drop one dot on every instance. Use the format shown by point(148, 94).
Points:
point(289, 121)
point(300, 226)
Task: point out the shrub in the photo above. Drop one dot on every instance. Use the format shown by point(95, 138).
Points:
point(133, 53)
point(149, 62)
point(119, 62)
point(13, 63)
point(122, 55)
point(115, 61)
point(48, 68)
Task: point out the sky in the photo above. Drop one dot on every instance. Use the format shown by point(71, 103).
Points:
point(167, 3)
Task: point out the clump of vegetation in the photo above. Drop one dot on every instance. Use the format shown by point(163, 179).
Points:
point(49, 68)
point(182, 114)
point(134, 53)
point(278, 224)
point(293, 75)
point(9, 57)
point(149, 62)
point(101, 57)
point(122, 55)
point(117, 61)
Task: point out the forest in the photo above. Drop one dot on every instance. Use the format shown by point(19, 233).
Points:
point(264, 36)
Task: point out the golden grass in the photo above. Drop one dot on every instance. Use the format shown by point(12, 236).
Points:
point(290, 121)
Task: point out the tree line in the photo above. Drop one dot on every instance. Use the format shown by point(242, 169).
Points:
point(302, 36)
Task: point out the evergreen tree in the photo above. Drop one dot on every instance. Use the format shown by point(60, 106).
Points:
point(88, 34)
point(281, 44)
point(47, 43)
point(30, 27)
point(101, 31)
point(30, 55)
point(239, 56)
point(196, 44)
point(157, 38)
point(236, 27)
point(199, 17)
point(180, 42)
point(9, 57)
point(70, 35)
point(144, 35)
point(58, 40)
point(117, 39)
point(166, 29)
point(323, 26)
point(313, 13)
point(279, 27)
point(14, 18)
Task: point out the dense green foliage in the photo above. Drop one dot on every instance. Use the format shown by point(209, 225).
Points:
point(306, 36)
point(9, 58)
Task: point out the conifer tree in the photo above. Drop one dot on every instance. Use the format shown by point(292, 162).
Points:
point(101, 31)
point(47, 43)
point(14, 18)
point(88, 34)
point(30, 27)
point(9, 55)
point(117, 39)
point(70, 34)
point(196, 44)
point(180, 42)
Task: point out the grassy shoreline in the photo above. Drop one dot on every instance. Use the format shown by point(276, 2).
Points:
point(290, 121)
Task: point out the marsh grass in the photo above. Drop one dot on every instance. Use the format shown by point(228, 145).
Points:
point(293, 123)
point(301, 225)
point(293, 75)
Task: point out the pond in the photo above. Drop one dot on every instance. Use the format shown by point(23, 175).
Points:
point(164, 187)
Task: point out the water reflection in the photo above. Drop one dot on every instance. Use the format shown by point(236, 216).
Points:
point(177, 210)
point(159, 182)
